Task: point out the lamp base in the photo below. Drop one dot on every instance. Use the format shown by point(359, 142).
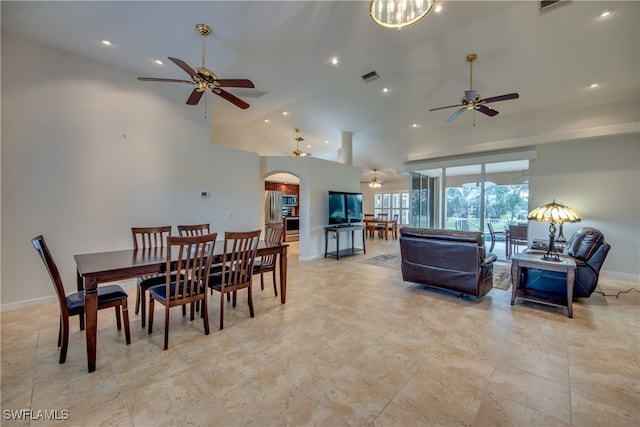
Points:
point(551, 257)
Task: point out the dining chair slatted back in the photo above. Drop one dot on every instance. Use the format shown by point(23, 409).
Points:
point(194, 255)
point(393, 226)
point(73, 304)
point(369, 226)
point(382, 225)
point(147, 238)
point(193, 230)
point(238, 259)
point(518, 236)
point(267, 263)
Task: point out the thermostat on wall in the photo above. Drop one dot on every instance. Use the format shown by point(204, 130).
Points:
point(204, 194)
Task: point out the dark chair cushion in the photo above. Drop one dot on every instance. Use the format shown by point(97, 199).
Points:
point(159, 292)
point(105, 294)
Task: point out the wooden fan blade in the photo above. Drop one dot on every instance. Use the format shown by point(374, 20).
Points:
point(455, 115)
point(502, 97)
point(235, 83)
point(486, 110)
point(231, 98)
point(195, 96)
point(153, 79)
point(180, 63)
point(442, 108)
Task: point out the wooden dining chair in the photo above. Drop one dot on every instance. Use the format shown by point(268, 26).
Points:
point(148, 238)
point(369, 226)
point(393, 227)
point(380, 227)
point(193, 230)
point(492, 234)
point(517, 236)
point(195, 254)
point(238, 258)
point(267, 263)
point(73, 304)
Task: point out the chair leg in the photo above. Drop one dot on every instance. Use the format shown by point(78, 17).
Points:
point(64, 332)
point(250, 301)
point(137, 299)
point(118, 321)
point(166, 326)
point(235, 297)
point(125, 319)
point(222, 310)
point(262, 281)
point(275, 286)
point(151, 310)
point(143, 306)
point(205, 316)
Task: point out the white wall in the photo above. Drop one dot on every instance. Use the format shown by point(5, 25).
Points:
point(87, 153)
point(600, 178)
point(317, 178)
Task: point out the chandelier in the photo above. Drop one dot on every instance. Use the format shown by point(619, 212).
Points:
point(399, 13)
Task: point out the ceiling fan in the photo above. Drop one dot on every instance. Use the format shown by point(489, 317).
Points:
point(472, 100)
point(297, 152)
point(205, 79)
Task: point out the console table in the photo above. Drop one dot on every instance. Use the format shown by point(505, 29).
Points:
point(339, 229)
point(566, 265)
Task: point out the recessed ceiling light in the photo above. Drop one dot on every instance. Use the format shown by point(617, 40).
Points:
point(284, 113)
point(266, 120)
point(438, 8)
point(385, 89)
point(594, 85)
point(415, 125)
point(157, 61)
point(605, 13)
point(334, 60)
point(106, 42)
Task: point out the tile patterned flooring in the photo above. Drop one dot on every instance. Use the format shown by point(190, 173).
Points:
point(354, 345)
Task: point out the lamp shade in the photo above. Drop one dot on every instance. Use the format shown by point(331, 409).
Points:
point(554, 212)
point(398, 13)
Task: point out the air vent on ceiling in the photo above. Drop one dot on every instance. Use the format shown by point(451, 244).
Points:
point(369, 77)
point(548, 5)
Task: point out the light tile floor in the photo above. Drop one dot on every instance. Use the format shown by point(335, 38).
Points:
point(353, 345)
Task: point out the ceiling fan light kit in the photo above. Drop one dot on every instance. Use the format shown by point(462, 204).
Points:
point(297, 152)
point(375, 181)
point(205, 79)
point(473, 100)
point(398, 14)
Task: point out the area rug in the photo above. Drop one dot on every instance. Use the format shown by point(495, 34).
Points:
point(501, 270)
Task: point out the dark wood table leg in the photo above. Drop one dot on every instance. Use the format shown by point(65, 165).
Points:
point(337, 245)
point(326, 241)
point(283, 275)
point(91, 312)
point(80, 285)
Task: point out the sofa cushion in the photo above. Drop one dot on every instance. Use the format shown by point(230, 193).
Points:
point(439, 234)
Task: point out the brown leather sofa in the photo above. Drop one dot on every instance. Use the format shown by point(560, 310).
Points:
point(589, 249)
point(448, 259)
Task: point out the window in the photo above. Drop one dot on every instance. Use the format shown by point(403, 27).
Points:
point(393, 204)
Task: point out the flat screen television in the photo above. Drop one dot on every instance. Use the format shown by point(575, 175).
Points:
point(344, 207)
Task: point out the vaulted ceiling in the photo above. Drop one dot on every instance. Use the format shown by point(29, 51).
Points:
point(550, 58)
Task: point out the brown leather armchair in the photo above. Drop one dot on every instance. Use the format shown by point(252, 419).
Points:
point(448, 259)
point(589, 249)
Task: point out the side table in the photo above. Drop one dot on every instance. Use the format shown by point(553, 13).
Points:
point(566, 265)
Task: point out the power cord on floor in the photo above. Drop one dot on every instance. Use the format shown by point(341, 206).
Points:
point(618, 294)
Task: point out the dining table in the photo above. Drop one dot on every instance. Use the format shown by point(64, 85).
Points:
point(382, 222)
point(97, 268)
